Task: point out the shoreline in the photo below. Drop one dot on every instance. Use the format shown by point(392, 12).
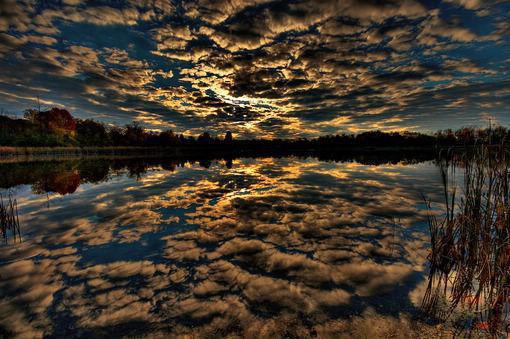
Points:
point(210, 152)
point(10, 151)
point(28, 154)
point(6, 151)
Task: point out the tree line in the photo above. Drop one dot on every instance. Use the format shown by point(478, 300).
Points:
point(57, 127)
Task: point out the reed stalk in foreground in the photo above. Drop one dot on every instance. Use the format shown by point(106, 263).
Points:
point(470, 244)
point(9, 220)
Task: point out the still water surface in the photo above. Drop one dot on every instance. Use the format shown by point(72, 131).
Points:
point(253, 247)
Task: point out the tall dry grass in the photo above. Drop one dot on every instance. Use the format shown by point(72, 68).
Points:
point(9, 219)
point(470, 243)
point(20, 151)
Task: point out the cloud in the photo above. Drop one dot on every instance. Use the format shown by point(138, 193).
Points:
point(469, 4)
point(436, 27)
point(215, 12)
point(271, 68)
point(14, 14)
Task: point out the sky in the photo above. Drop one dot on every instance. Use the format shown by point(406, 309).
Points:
point(260, 68)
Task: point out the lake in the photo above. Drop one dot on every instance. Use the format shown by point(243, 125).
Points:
point(256, 247)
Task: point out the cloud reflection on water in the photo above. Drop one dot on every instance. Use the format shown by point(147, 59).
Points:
point(213, 251)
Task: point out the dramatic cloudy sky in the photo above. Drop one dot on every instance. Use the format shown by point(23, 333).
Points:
point(261, 67)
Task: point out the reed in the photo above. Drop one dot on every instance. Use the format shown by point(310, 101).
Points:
point(470, 243)
point(9, 219)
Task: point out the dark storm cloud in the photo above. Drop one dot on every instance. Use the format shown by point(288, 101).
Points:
point(258, 67)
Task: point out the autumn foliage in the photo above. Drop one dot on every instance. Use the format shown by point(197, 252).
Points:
point(58, 121)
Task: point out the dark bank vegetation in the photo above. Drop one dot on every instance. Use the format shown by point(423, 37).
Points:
point(57, 127)
point(9, 219)
point(470, 242)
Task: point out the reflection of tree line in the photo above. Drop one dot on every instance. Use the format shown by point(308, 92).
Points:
point(65, 176)
point(470, 243)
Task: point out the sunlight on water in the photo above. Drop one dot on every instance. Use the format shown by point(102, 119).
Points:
point(260, 247)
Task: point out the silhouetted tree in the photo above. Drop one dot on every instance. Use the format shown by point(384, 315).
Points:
point(228, 137)
point(168, 138)
point(31, 115)
point(204, 138)
point(135, 134)
point(116, 136)
point(91, 133)
point(466, 136)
